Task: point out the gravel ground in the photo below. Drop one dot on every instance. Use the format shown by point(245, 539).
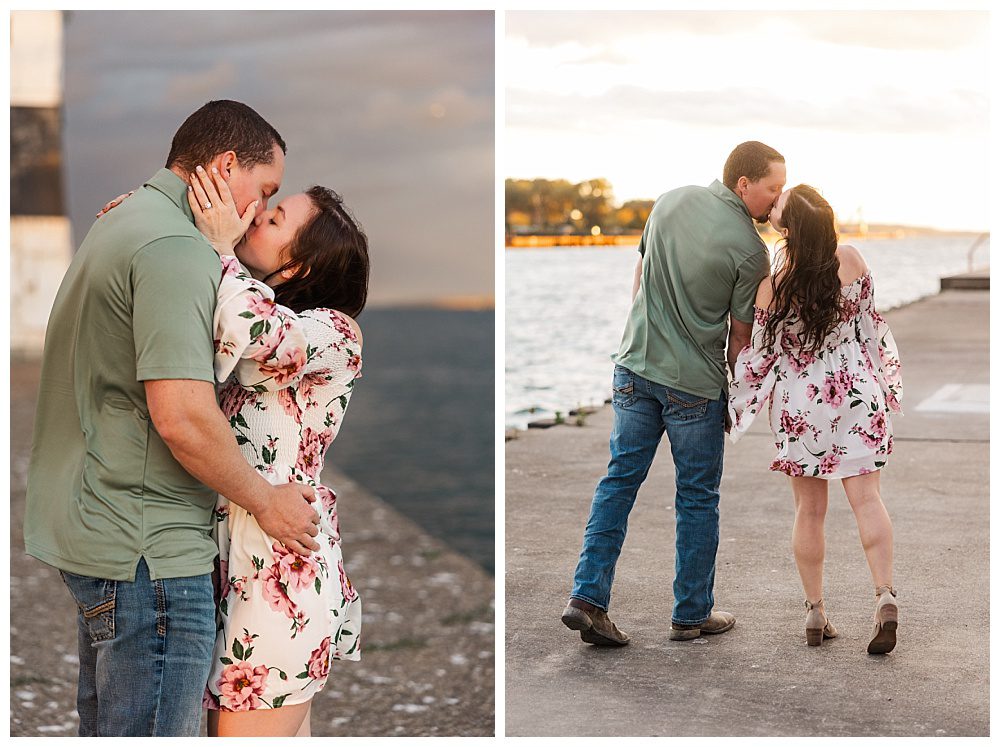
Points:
point(428, 662)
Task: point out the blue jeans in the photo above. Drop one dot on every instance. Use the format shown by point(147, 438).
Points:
point(145, 651)
point(695, 427)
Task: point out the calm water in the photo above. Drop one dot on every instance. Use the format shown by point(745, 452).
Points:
point(419, 432)
point(566, 310)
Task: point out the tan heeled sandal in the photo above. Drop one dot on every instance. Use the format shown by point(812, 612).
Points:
point(817, 626)
point(886, 621)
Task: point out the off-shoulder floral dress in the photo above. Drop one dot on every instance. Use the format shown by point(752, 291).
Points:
point(282, 617)
point(829, 412)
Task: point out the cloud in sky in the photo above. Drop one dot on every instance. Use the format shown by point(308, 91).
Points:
point(865, 111)
point(892, 30)
point(393, 109)
point(654, 100)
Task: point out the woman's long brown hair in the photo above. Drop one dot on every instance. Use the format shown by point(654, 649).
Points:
point(807, 284)
point(329, 259)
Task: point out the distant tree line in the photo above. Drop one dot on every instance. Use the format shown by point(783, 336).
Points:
point(546, 206)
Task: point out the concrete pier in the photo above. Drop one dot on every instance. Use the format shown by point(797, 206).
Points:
point(760, 679)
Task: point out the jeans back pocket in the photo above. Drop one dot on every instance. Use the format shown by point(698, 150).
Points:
point(95, 598)
point(623, 388)
point(684, 406)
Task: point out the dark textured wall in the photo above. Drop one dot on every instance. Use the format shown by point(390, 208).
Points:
point(36, 183)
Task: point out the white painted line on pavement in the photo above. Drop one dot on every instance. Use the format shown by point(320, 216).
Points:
point(958, 398)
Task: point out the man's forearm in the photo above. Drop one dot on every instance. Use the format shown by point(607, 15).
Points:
point(188, 419)
point(735, 344)
point(637, 279)
point(207, 449)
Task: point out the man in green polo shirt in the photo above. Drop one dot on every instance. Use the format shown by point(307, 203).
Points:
point(700, 262)
point(130, 447)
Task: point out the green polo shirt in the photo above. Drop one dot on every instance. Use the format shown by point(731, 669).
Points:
point(136, 304)
point(702, 258)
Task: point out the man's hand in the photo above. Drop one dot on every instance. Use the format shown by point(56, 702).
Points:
point(288, 517)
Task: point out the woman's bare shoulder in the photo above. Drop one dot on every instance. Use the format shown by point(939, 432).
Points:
point(765, 293)
point(852, 264)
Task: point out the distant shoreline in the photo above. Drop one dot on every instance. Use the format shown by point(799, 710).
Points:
point(847, 233)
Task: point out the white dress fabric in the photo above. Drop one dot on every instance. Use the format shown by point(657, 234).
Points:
point(282, 617)
point(829, 412)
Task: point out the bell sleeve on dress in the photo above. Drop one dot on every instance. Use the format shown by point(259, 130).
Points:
point(263, 343)
point(334, 352)
point(884, 355)
point(754, 375)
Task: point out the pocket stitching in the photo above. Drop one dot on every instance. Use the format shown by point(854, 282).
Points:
point(682, 403)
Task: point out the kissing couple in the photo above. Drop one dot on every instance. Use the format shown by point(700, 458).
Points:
point(199, 359)
point(806, 339)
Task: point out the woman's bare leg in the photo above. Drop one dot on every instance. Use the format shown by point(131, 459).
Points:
point(305, 730)
point(287, 721)
point(808, 538)
point(874, 524)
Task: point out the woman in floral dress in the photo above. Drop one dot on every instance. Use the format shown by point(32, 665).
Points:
point(826, 362)
point(288, 369)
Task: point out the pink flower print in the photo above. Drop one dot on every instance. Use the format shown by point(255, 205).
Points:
point(849, 309)
point(246, 638)
point(319, 662)
point(878, 424)
point(829, 463)
point(864, 471)
point(208, 700)
point(269, 344)
point(866, 286)
point(230, 266)
point(273, 590)
point(801, 360)
point(845, 379)
point(754, 375)
point(239, 585)
point(793, 469)
point(793, 425)
point(287, 400)
point(260, 306)
point(305, 389)
point(345, 583)
point(329, 500)
point(342, 326)
point(354, 363)
point(234, 398)
point(892, 403)
point(833, 391)
point(242, 685)
point(286, 368)
point(311, 449)
point(297, 571)
point(811, 391)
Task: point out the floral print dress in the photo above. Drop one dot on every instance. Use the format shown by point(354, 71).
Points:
point(282, 617)
point(829, 412)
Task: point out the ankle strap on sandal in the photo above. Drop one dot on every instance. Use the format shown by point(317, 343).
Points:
point(810, 605)
point(883, 589)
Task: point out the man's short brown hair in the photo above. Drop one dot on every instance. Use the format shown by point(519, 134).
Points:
point(220, 126)
point(751, 159)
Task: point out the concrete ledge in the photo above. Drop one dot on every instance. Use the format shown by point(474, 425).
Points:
point(978, 280)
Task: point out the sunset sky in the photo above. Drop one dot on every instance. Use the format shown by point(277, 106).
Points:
point(394, 110)
point(887, 113)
